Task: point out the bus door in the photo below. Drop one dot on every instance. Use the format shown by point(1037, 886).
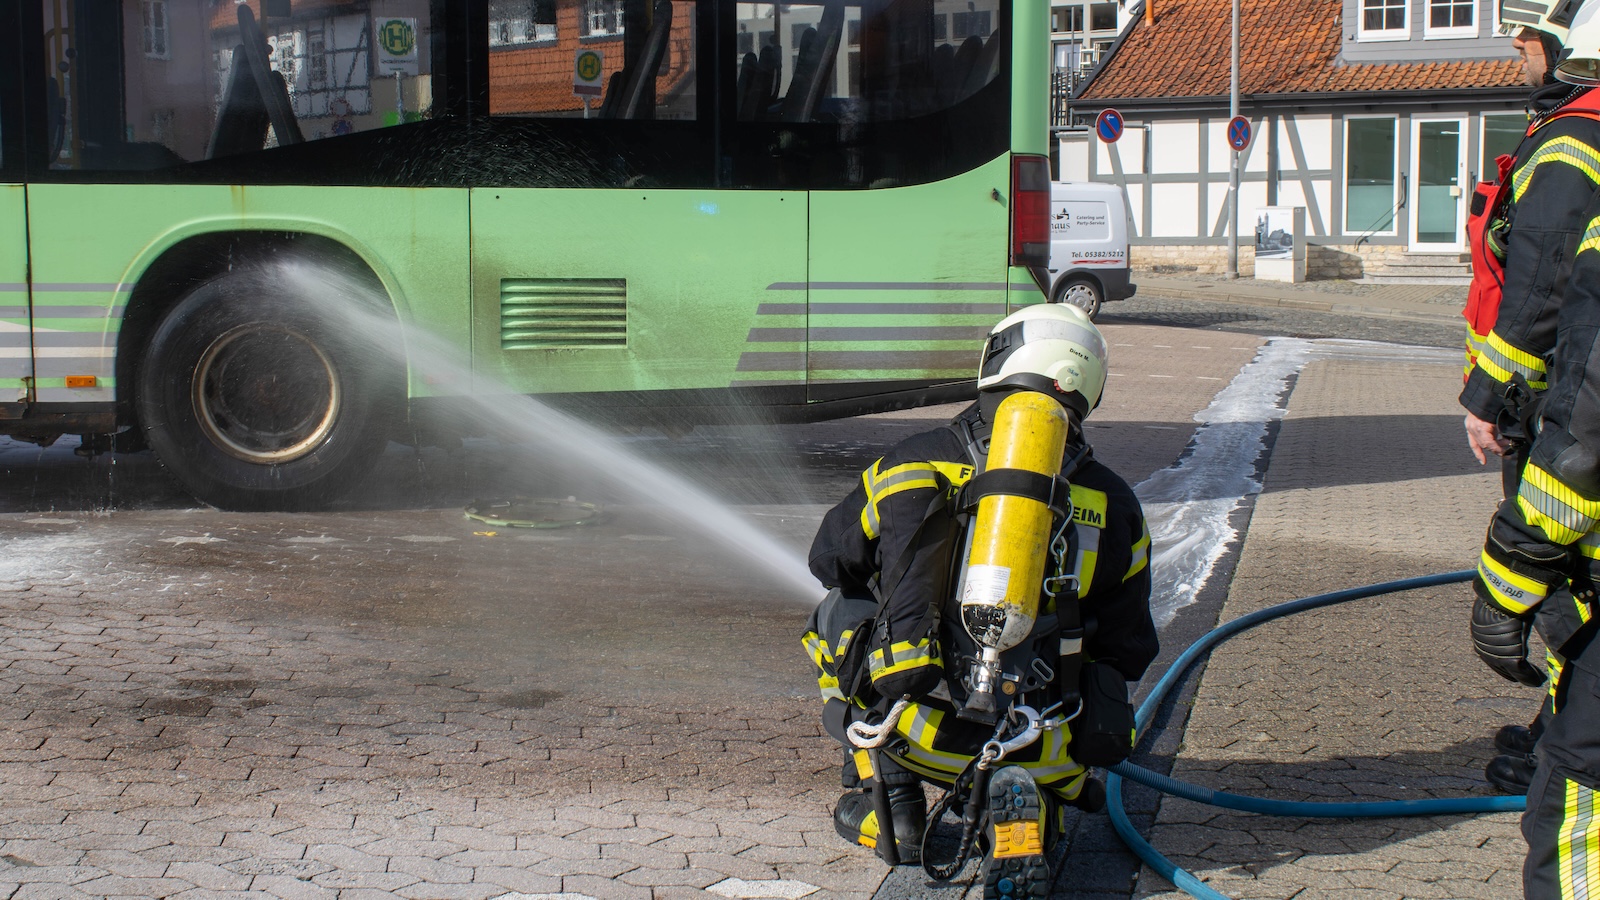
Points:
point(16, 355)
point(909, 215)
point(613, 261)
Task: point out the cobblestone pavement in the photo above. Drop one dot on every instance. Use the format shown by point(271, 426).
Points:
point(390, 701)
point(1369, 480)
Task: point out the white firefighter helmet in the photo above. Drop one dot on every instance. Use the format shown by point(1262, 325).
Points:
point(1553, 17)
point(1051, 348)
point(1579, 60)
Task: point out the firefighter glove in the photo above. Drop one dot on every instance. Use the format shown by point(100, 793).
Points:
point(1502, 642)
point(1516, 571)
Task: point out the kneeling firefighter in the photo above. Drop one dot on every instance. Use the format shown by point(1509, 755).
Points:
point(990, 598)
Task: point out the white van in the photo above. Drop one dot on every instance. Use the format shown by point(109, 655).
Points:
point(1088, 245)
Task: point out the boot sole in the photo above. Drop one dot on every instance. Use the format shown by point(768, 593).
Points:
point(1017, 865)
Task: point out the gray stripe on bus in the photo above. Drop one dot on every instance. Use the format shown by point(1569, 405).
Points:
point(859, 360)
point(868, 360)
point(772, 362)
point(864, 334)
point(50, 337)
point(887, 286)
point(61, 367)
point(55, 286)
point(880, 309)
point(63, 312)
point(74, 339)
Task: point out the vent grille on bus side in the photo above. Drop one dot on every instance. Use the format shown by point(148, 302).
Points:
point(563, 313)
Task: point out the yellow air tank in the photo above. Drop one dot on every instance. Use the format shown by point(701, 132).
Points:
point(1010, 539)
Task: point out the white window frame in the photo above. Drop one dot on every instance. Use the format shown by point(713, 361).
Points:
point(1451, 32)
point(1394, 179)
point(157, 38)
point(590, 11)
point(1365, 34)
point(1484, 164)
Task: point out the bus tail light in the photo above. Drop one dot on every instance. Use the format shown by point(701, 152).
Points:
point(1030, 211)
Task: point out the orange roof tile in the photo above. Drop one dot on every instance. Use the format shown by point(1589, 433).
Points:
point(1286, 47)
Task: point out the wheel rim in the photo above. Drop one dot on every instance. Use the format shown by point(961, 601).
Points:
point(1079, 295)
point(266, 394)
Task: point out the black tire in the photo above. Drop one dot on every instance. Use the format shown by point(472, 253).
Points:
point(1084, 293)
point(255, 401)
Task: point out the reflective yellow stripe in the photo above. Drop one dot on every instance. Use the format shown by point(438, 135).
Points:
point(1553, 662)
point(1591, 237)
point(903, 655)
point(881, 485)
point(1474, 341)
point(1564, 149)
point(1589, 545)
point(1551, 506)
point(1141, 555)
point(957, 473)
point(1578, 846)
point(1515, 592)
point(1500, 361)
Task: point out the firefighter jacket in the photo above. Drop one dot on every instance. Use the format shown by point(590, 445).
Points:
point(1557, 171)
point(866, 534)
point(1560, 494)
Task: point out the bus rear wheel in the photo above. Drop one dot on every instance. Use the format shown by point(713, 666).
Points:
point(1082, 293)
point(255, 400)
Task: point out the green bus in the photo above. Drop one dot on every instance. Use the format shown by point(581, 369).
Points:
point(652, 211)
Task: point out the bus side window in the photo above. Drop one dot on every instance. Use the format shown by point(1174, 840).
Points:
point(642, 53)
point(152, 84)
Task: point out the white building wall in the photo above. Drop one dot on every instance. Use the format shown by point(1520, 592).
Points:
point(1174, 209)
point(1174, 147)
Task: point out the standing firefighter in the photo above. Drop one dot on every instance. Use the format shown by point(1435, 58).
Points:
point(1549, 540)
point(1523, 233)
point(990, 599)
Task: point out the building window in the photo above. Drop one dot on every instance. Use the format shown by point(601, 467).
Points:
point(155, 30)
point(1066, 19)
point(602, 18)
point(1103, 17)
point(1369, 176)
point(1451, 19)
point(1069, 56)
point(517, 22)
point(1501, 134)
point(1383, 20)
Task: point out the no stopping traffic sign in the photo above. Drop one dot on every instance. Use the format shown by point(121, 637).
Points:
point(1239, 133)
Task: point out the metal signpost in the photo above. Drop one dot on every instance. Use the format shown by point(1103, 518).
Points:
point(1233, 171)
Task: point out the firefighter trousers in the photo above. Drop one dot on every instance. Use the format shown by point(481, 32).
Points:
point(1562, 822)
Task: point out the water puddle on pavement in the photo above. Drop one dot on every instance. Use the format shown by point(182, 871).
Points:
point(1190, 504)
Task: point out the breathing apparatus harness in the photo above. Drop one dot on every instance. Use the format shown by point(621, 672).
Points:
point(1019, 725)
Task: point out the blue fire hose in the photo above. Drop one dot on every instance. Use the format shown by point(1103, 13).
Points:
point(1183, 879)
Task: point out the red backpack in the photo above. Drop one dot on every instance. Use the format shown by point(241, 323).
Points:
point(1488, 202)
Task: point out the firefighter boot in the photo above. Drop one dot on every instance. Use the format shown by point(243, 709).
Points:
point(1020, 815)
point(1511, 773)
point(856, 817)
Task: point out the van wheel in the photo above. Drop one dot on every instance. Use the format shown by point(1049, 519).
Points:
point(254, 400)
point(1082, 293)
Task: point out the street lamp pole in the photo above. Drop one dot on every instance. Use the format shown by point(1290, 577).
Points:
point(1233, 172)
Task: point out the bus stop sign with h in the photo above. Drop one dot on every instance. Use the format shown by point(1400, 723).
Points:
point(586, 71)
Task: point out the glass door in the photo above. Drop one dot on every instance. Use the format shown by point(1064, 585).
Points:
point(1438, 164)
